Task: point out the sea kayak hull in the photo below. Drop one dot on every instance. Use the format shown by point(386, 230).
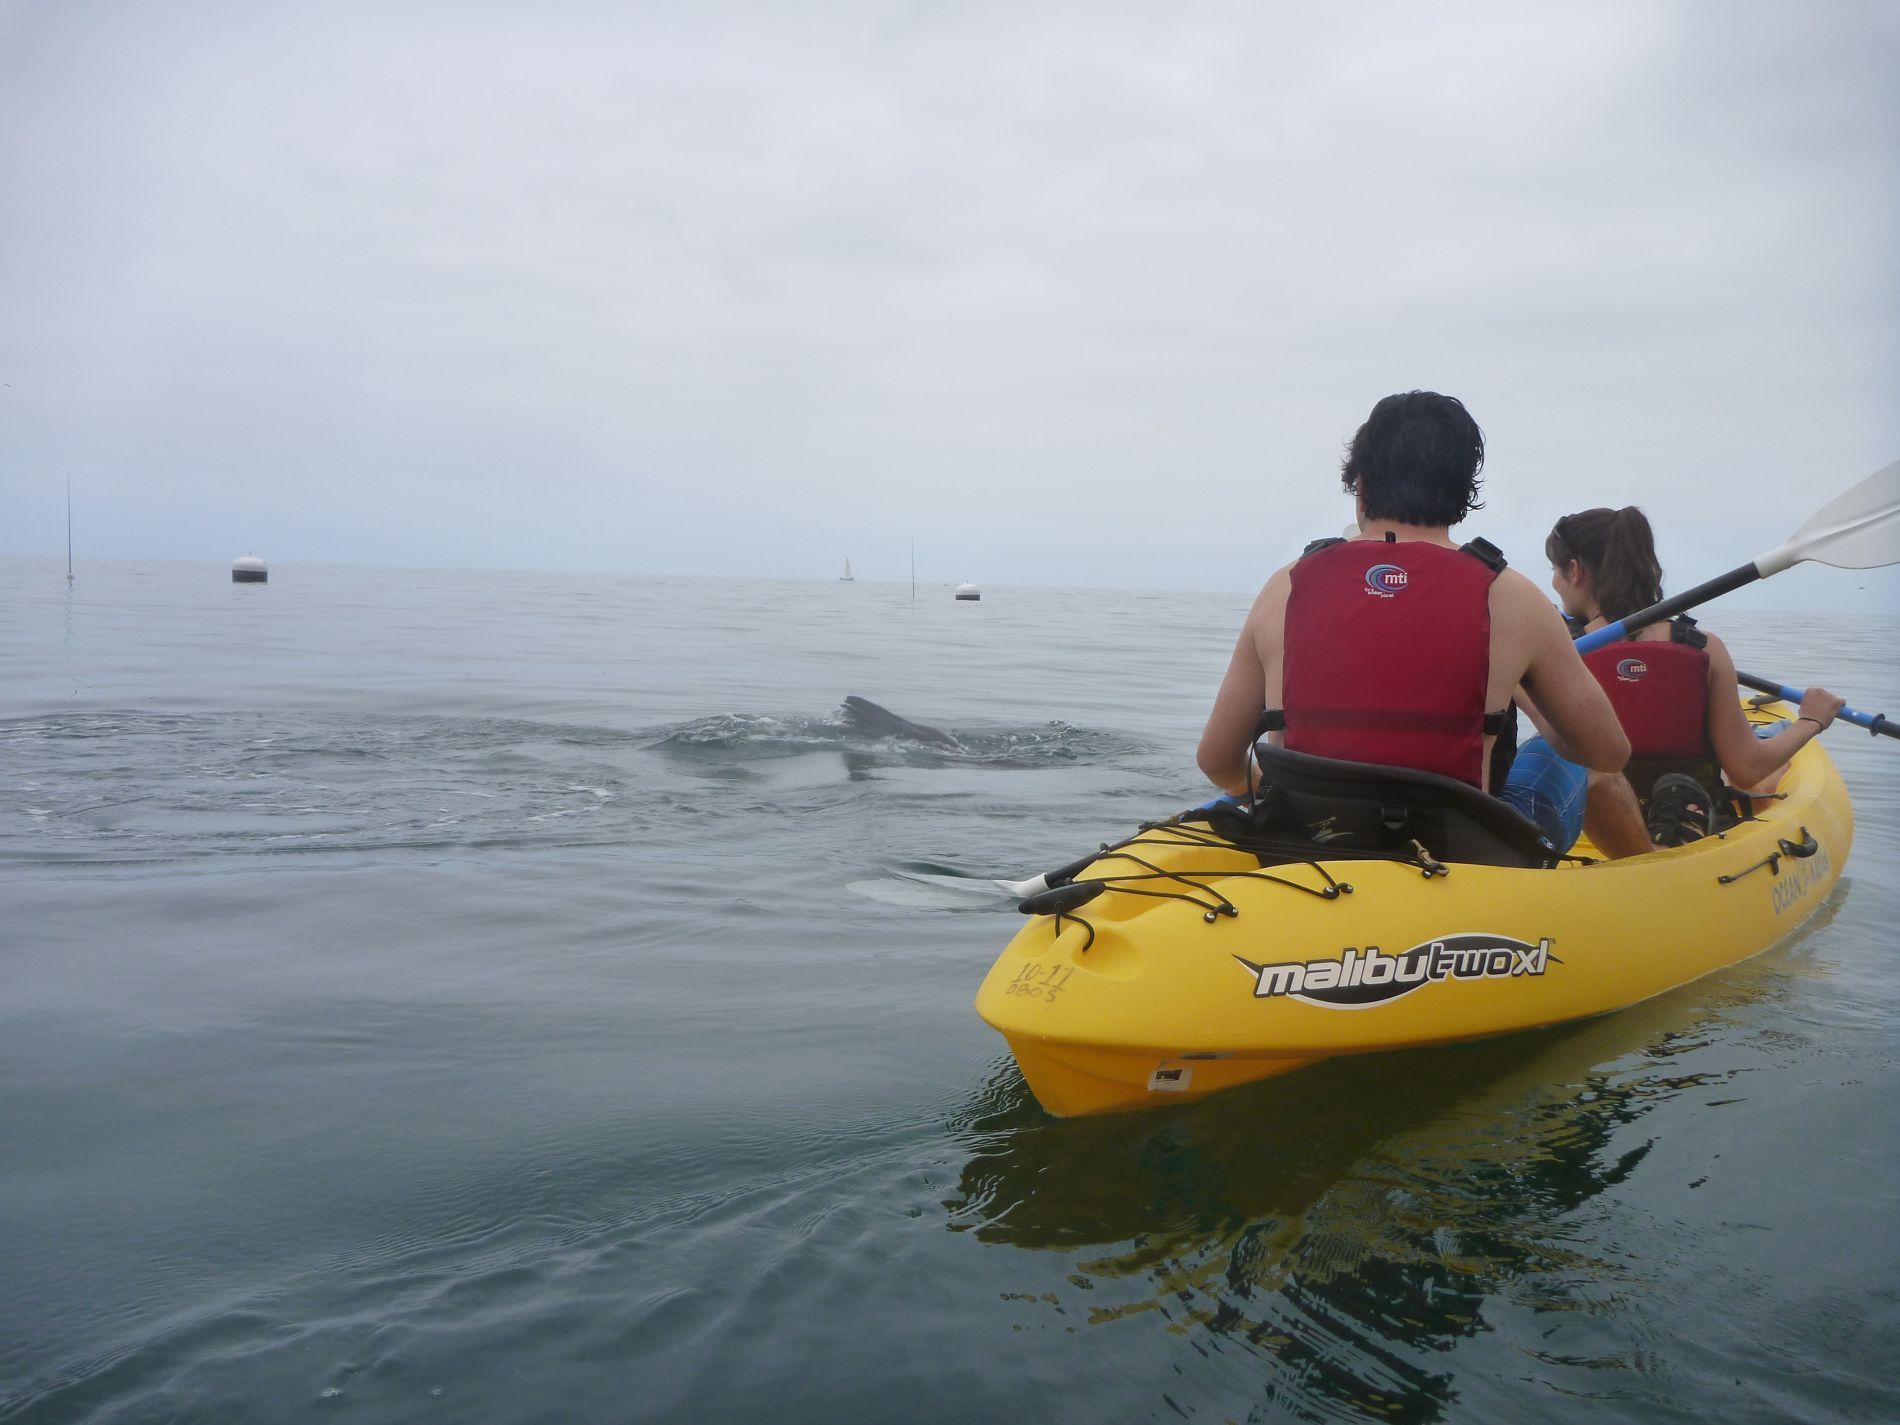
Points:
point(1140, 999)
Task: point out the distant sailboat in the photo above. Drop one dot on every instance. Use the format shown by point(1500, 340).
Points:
point(69, 529)
point(845, 578)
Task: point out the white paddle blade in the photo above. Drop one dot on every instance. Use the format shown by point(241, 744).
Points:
point(1857, 530)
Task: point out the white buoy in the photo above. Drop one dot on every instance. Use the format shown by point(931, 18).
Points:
point(969, 593)
point(249, 570)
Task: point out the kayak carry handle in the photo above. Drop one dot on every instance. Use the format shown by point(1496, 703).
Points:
point(1067, 874)
point(1061, 900)
point(1807, 847)
point(1800, 851)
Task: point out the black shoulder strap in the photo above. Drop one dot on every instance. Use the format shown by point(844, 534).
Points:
point(1495, 723)
point(1575, 624)
point(1320, 544)
point(1682, 629)
point(1485, 551)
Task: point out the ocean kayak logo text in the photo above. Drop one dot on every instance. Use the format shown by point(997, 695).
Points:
point(1629, 670)
point(1805, 876)
point(1385, 580)
point(1360, 979)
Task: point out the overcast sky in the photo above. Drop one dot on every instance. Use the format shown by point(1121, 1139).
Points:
point(1071, 294)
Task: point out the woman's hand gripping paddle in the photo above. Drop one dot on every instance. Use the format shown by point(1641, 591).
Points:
point(1877, 723)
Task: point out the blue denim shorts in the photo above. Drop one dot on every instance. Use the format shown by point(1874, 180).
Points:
point(1548, 790)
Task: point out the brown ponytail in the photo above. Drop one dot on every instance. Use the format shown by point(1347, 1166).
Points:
point(1618, 548)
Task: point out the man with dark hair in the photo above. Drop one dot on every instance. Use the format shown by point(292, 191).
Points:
point(1401, 647)
point(1416, 460)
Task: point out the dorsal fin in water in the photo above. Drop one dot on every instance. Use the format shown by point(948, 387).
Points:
point(863, 715)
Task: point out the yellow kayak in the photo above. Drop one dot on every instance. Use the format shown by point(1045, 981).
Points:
point(1197, 967)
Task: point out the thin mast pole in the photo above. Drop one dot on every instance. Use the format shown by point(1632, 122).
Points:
point(69, 527)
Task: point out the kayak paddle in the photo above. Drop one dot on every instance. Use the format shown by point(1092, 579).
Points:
point(1876, 723)
point(1858, 530)
point(1035, 885)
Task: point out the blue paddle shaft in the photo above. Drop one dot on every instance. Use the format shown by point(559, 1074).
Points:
point(1609, 633)
point(1875, 723)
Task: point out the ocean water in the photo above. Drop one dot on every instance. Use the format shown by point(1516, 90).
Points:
point(513, 997)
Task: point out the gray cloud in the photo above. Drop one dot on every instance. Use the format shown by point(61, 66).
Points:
point(1083, 295)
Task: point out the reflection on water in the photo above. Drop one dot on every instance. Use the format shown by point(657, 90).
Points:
point(1347, 1225)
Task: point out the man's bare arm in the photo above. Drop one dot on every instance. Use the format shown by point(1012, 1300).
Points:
point(1573, 711)
point(1227, 740)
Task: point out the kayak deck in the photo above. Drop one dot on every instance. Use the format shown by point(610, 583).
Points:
point(1198, 969)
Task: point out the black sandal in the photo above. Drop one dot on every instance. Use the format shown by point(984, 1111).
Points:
point(1680, 810)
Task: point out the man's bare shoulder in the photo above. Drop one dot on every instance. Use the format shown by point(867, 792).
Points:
point(1513, 583)
point(1527, 632)
point(1517, 597)
point(1271, 600)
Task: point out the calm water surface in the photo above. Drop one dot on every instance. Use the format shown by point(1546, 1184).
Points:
point(506, 997)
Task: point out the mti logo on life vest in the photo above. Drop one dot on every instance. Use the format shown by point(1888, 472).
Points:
point(1631, 670)
point(1385, 580)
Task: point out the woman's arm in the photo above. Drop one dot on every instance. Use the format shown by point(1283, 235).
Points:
point(1747, 759)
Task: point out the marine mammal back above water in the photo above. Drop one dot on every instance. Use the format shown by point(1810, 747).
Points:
point(864, 716)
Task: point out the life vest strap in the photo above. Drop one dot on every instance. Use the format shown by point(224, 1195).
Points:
point(1496, 724)
point(1682, 629)
point(1486, 553)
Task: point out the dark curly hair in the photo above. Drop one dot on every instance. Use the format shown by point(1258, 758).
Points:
point(1416, 460)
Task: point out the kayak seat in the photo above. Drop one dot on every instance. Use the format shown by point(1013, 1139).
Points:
point(1363, 809)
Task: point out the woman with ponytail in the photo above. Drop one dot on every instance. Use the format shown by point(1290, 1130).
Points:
point(1673, 687)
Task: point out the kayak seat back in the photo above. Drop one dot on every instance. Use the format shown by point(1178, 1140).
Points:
point(1364, 809)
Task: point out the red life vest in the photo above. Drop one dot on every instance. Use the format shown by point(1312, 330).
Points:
point(1660, 691)
point(1388, 656)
